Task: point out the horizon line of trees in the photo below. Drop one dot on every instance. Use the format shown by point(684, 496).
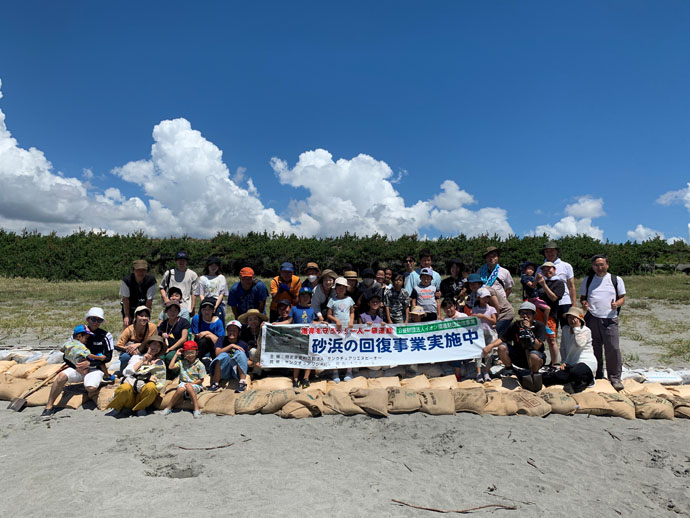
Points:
point(97, 255)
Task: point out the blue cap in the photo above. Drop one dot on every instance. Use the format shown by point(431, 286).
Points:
point(474, 277)
point(287, 267)
point(305, 289)
point(81, 328)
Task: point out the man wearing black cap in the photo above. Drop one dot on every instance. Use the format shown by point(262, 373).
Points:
point(183, 278)
point(137, 289)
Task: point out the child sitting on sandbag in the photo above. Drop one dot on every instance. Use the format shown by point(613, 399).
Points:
point(192, 373)
point(75, 351)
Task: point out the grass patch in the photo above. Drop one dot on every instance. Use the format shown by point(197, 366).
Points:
point(639, 304)
point(630, 358)
point(677, 349)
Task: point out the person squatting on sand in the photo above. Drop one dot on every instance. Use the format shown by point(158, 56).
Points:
point(191, 376)
point(144, 379)
point(100, 344)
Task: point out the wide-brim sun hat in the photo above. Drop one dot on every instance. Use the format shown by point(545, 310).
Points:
point(491, 249)
point(251, 313)
point(575, 312)
point(550, 244)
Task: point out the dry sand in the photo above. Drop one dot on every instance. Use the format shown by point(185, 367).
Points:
point(82, 463)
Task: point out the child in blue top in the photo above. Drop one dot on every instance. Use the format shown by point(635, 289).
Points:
point(302, 313)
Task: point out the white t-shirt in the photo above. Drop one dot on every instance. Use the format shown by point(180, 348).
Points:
point(601, 293)
point(488, 311)
point(564, 272)
point(212, 286)
point(187, 281)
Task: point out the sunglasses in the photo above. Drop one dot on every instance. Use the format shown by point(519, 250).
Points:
point(95, 319)
point(409, 260)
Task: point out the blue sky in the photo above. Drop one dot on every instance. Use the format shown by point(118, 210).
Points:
point(396, 117)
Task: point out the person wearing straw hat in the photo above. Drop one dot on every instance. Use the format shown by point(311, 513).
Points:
point(494, 275)
point(144, 379)
point(311, 270)
point(579, 363)
point(133, 337)
point(252, 321)
point(136, 289)
point(323, 292)
point(248, 293)
point(551, 252)
point(100, 343)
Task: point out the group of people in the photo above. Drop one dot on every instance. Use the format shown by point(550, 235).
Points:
point(188, 345)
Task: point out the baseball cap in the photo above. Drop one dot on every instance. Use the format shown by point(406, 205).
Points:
point(81, 328)
point(368, 273)
point(181, 255)
point(235, 323)
point(426, 271)
point(142, 308)
point(190, 345)
point(527, 306)
point(212, 260)
point(171, 303)
point(483, 292)
point(140, 264)
point(208, 301)
point(287, 267)
point(246, 272)
point(306, 289)
point(96, 313)
point(284, 302)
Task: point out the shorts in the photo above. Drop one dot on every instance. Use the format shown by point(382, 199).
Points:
point(518, 357)
point(92, 379)
point(552, 324)
point(197, 388)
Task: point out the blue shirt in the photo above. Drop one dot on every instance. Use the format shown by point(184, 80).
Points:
point(246, 300)
point(302, 315)
point(199, 325)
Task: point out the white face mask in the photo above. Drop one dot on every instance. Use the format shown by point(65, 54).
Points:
point(311, 278)
point(368, 281)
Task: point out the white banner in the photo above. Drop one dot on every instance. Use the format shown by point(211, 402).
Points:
point(323, 346)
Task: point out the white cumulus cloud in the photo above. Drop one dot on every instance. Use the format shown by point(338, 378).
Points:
point(679, 196)
point(642, 233)
point(570, 226)
point(586, 207)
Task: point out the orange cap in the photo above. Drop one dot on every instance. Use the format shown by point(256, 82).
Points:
point(246, 272)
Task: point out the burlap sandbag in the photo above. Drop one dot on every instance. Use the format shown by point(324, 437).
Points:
point(383, 382)
point(602, 386)
point(272, 384)
point(403, 400)
point(44, 372)
point(444, 383)
point(632, 387)
point(372, 401)
point(251, 402)
point(680, 390)
point(649, 406)
point(681, 407)
point(498, 403)
point(658, 390)
point(530, 404)
point(222, 404)
point(471, 400)
point(347, 386)
point(22, 370)
point(591, 403)
point(621, 406)
point(277, 399)
point(416, 383)
point(318, 385)
point(436, 402)
point(6, 364)
point(105, 395)
point(304, 405)
point(559, 400)
point(339, 402)
point(73, 396)
point(469, 384)
point(11, 387)
point(503, 384)
point(40, 397)
point(430, 370)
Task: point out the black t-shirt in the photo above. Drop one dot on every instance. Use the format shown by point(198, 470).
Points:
point(224, 341)
point(510, 335)
point(451, 287)
point(556, 285)
point(175, 331)
point(100, 342)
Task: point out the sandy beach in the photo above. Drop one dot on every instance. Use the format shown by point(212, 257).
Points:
point(83, 463)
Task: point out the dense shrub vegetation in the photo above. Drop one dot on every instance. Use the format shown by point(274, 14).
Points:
point(98, 256)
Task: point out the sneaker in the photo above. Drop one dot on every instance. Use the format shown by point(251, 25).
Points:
point(142, 413)
point(166, 411)
point(47, 412)
point(113, 413)
point(305, 384)
point(241, 387)
point(487, 377)
point(213, 387)
point(196, 414)
point(507, 372)
point(295, 384)
point(347, 377)
point(617, 385)
point(479, 378)
point(336, 380)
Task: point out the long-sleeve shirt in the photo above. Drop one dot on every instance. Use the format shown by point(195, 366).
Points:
point(157, 370)
point(576, 347)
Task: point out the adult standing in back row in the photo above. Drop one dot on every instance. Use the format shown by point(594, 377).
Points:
point(284, 286)
point(137, 289)
point(184, 279)
point(564, 271)
point(494, 275)
point(602, 295)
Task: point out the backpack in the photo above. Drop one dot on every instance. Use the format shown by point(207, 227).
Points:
point(614, 281)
